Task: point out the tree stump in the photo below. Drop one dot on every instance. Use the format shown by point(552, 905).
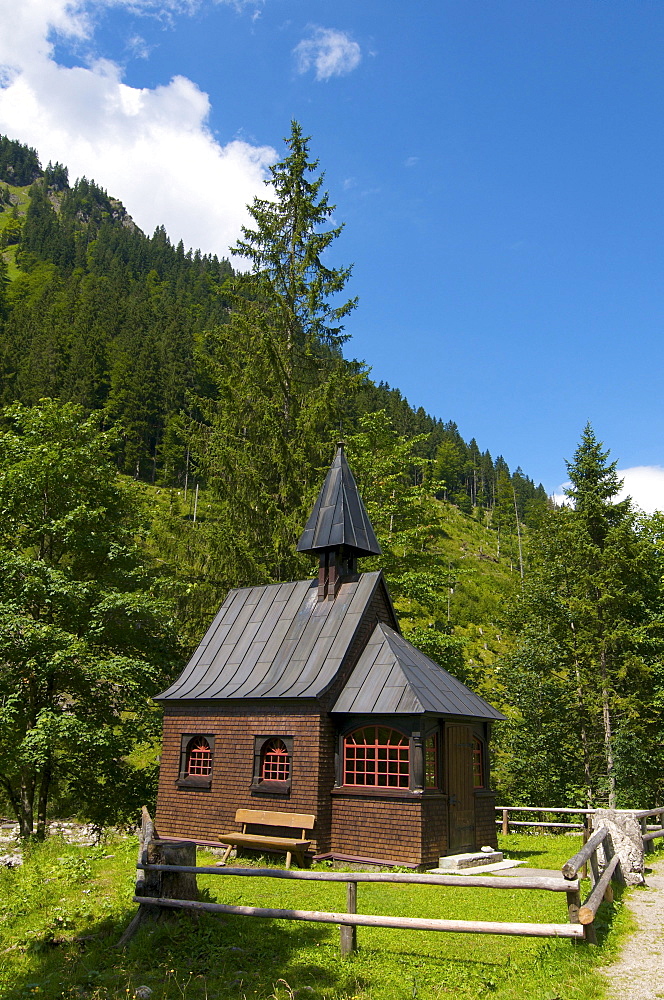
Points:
point(171, 885)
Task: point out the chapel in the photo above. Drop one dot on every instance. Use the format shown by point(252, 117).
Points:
point(304, 697)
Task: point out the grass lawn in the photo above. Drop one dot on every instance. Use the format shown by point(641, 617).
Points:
point(62, 913)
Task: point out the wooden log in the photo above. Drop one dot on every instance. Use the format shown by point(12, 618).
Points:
point(168, 857)
point(546, 809)
point(527, 822)
point(648, 846)
point(589, 933)
point(369, 920)
point(589, 909)
point(348, 932)
point(653, 835)
point(416, 878)
point(571, 867)
point(506, 822)
point(594, 868)
point(584, 840)
point(573, 906)
point(148, 883)
point(648, 812)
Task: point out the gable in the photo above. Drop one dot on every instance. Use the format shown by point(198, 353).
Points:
point(392, 677)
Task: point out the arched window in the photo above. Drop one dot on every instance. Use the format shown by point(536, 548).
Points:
point(273, 765)
point(199, 757)
point(275, 761)
point(377, 757)
point(196, 760)
point(478, 763)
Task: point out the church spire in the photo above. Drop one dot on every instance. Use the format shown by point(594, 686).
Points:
point(339, 529)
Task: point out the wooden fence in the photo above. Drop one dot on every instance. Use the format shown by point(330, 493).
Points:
point(650, 831)
point(504, 818)
point(165, 883)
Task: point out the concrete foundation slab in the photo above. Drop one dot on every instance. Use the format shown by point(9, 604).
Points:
point(475, 859)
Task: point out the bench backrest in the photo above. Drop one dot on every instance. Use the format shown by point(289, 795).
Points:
point(264, 817)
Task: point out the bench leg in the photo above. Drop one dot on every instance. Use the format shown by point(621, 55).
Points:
point(288, 859)
point(227, 854)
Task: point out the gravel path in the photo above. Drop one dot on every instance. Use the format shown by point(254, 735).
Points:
point(639, 972)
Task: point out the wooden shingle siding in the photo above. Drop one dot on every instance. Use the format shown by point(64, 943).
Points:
point(202, 814)
point(434, 828)
point(486, 832)
point(373, 827)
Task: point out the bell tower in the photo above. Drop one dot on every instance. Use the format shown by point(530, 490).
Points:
point(338, 530)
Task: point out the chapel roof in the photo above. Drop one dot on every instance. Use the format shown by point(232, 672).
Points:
point(392, 677)
point(339, 517)
point(276, 641)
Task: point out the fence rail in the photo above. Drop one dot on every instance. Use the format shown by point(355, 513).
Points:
point(649, 831)
point(504, 818)
point(164, 882)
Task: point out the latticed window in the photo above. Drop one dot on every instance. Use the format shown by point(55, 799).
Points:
point(275, 761)
point(431, 761)
point(378, 757)
point(478, 763)
point(199, 757)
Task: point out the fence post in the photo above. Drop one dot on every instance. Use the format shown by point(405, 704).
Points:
point(584, 840)
point(506, 822)
point(348, 933)
point(573, 905)
point(648, 845)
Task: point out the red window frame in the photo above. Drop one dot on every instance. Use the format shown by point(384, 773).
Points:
point(478, 763)
point(199, 758)
point(377, 757)
point(275, 761)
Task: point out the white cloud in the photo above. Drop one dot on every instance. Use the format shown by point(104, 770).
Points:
point(329, 51)
point(643, 483)
point(412, 161)
point(150, 147)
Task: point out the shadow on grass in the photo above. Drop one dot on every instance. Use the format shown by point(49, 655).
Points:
point(172, 954)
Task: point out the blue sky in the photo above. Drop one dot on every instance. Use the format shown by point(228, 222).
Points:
point(497, 165)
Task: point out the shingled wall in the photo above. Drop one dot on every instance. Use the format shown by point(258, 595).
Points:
point(202, 814)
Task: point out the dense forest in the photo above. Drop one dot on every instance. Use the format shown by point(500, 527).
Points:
point(201, 405)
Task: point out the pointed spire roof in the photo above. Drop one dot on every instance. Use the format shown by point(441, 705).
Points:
point(339, 517)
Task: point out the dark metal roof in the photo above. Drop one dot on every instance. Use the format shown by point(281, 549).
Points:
point(392, 677)
point(339, 516)
point(276, 641)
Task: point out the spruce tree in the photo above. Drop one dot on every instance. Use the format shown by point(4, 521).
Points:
point(287, 245)
point(277, 379)
point(587, 630)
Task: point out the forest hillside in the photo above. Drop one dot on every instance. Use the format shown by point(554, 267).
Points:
point(167, 424)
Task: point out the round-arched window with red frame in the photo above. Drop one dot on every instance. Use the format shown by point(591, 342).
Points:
point(199, 758)
point(275, 761)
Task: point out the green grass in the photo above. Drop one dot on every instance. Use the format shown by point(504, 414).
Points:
point(63, 912)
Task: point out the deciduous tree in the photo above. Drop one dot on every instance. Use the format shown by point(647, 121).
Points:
point(84, 640)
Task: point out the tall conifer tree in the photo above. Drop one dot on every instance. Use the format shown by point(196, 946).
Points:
point(585, 674)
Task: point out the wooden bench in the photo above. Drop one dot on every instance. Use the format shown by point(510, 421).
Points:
point(260, 817)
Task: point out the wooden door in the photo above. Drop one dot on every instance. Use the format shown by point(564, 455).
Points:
point(461, 800)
